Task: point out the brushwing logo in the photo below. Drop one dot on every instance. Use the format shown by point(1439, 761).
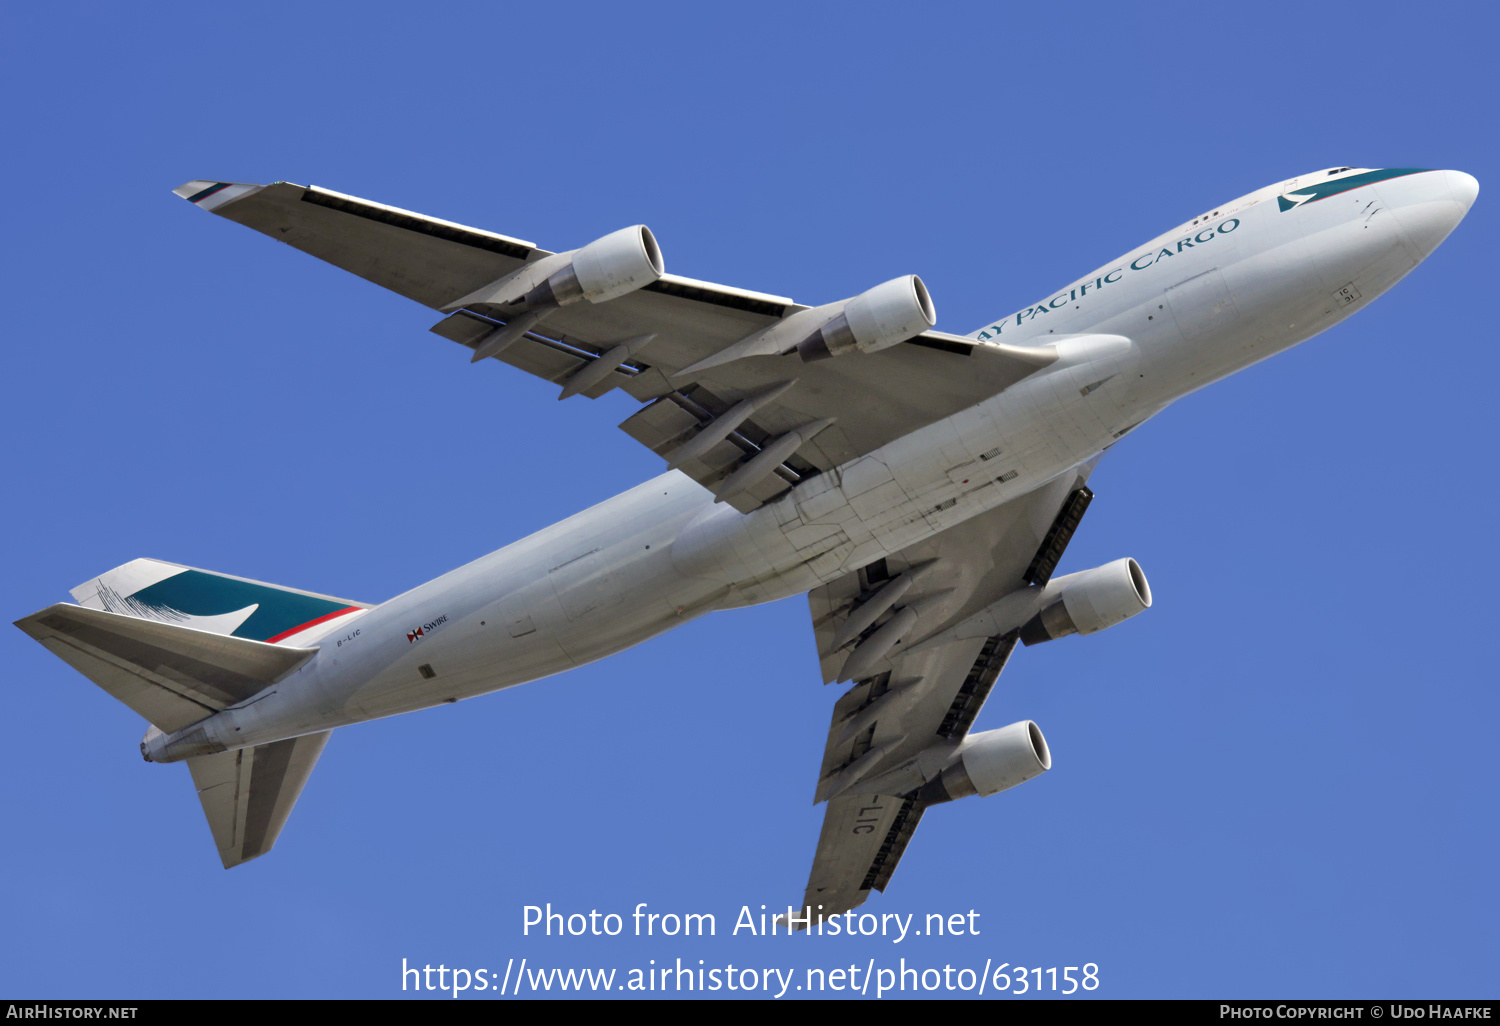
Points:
point(1293, 200)
point(211, 602)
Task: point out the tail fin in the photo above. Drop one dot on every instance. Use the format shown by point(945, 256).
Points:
point(178, 645)
point(213, 602)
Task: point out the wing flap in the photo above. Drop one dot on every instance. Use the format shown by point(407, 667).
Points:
point(554, 360)
point(660, 425)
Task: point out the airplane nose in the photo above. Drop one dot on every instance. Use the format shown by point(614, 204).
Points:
point(1429, 205)
point(1464, 188)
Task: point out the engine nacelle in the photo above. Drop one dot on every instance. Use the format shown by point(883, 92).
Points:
point(991, 762)
point(1091, 601)
point(605, 269)
point(874, 320)
point(621, 262)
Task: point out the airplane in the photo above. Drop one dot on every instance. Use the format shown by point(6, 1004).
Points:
point(920, 487)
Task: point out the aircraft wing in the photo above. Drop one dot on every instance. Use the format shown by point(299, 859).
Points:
point(927, 688)
point(652, 343)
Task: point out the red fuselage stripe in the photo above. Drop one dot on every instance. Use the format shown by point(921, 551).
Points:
point(313, 623)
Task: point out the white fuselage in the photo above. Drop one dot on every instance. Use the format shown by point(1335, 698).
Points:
point(1246, 281)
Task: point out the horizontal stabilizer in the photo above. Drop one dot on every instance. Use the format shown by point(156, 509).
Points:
point(173, 676)
point(247, 794)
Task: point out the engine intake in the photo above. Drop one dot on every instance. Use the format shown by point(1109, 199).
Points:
point(1091, 601)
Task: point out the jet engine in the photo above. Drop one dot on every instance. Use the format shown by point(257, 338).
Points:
point(605, 269)
point(1091, 601)
point(874, 320)
point(990, 762)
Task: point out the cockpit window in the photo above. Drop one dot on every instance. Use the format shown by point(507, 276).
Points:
point(1340, 170)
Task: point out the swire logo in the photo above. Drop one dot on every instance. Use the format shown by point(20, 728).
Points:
point(426, 629)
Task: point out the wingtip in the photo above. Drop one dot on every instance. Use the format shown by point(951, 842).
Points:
point(199, 189)
point(209, 195)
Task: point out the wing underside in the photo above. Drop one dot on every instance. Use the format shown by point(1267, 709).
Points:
point(651, 343)
point(926, 690)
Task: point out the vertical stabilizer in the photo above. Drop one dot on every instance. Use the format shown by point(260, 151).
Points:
point(218, 603)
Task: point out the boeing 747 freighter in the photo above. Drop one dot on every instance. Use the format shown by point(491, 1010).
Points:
point(920, 487)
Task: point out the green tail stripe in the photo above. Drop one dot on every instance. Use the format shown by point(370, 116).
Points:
point(198, 593)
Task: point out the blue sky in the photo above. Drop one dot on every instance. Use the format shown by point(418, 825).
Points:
point(1281, 781)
